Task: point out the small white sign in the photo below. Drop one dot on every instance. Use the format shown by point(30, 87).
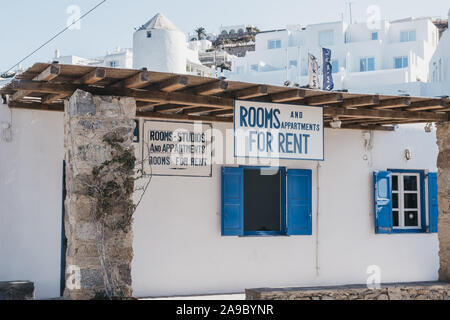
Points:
point(278, 131)
point(177, 149)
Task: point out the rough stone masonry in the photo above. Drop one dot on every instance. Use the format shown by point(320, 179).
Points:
point(443, 141)
point(92, 247)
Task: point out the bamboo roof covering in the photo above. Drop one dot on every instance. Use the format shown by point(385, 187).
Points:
point(44, 86)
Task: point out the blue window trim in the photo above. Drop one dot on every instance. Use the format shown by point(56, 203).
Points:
point(283, 212)
point(423, 211)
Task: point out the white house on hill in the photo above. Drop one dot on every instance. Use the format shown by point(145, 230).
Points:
point(391, 58)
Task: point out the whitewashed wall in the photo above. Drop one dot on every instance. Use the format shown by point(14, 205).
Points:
point(179, 249)
point(178, 246)
point(31, 168)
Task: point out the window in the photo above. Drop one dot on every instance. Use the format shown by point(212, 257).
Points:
point(113, 64)
point(254, 67)
point(406, 36)
point(367, 64)
point(149, 34)
point(335, 66)
point(403, 199)
point(326, 38)
point(406, 200)
point(293, 63)
point(273, 44)
point(266, 202)
point(400, 62)
point(374, 35)
point(240, 70)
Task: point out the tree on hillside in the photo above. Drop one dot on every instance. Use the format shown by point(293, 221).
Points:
point(201, 33)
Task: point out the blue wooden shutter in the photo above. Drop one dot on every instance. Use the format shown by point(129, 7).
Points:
point(383, 201)
point(433, 202)
point(232, 201)
point(299, 197)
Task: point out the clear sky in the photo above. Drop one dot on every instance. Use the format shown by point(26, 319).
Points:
point(26, 24)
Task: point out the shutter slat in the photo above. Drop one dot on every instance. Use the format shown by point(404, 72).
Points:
point(232, 201)
point(299, 196)
point(383, 201)
point(433, 209)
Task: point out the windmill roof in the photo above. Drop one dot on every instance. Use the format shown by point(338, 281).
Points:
point(160, 21)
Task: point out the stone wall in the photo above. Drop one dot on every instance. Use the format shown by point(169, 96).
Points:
point(411, 291)
point(443, 141)
point(99, 254)
point(17, 290)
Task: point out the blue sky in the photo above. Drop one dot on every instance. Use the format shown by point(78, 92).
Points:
point(26, 24)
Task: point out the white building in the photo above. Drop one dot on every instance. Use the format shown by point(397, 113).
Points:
point(440, 67)
point(180, 244)
point(158, 45)
point(118, 58)
point(391, 58)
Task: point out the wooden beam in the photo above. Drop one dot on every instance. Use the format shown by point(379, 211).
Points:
point(36, 106)
point(173, 84)
point(183, 117)
point(49, 98)
point(20, 94)
point(93, 76)
point(251, 92)
point(221, 112)
point(368, 127)
point(286, 96)
point(361, 101)
point(392, 103)
point(427, 105)
point(383, 114)
point(50, 73)
point(324, 99)
point(137, 81)
point(148, 96)
point(167, 107)
point(211, 88)
point(197, 110)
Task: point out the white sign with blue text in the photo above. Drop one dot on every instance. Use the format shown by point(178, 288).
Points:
point(278, 131)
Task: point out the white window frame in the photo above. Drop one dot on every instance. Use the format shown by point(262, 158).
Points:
point(408, 32)
point(367, 64)
point(275, 42)
point(401, 204)
point(403, 60)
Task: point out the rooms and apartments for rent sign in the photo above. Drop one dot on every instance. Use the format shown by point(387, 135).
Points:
point(278, 131)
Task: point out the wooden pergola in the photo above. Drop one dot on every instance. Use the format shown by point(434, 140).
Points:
point(170, 96)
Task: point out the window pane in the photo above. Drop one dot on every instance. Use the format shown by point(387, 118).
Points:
point(398, 63)
point(374, 35)
point(335, 66)
point(395, 183)
point(412, 36)
point(395, 218)
point(362, 65)
point(410, 200)
point(262, 201)
point(371, 64)
point(395, 200)
point(278, 43)
point(405, 62)
point(411, 219)
point(404, 36)
point(410, 183)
